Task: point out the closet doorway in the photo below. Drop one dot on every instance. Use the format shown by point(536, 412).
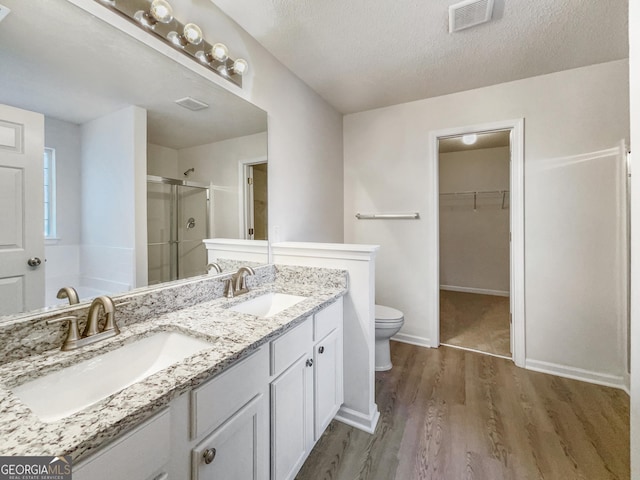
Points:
point(474, 242)
point(478, 282)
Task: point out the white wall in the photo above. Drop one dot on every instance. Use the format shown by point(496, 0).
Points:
point(305, 133)
point(63, 255)
point(634, 63)
point(474, 245)
point(162, 161)
point(566, 113)
point(65, 138)
point(112, 147)
point(217, 163)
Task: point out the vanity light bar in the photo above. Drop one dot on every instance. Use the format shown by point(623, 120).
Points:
point(156, 17)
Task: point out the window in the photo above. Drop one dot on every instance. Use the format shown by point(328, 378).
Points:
point(49, 193)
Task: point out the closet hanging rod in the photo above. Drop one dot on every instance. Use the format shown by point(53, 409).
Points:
point(478, 192)
point(388, 216)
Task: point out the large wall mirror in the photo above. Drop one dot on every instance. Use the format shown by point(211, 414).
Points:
point(142, 160)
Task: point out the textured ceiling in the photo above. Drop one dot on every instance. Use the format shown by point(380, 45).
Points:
point(76, 68)
point(363, 54)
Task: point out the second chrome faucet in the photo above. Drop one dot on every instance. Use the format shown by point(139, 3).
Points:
point(92, 332)
point(237, 285)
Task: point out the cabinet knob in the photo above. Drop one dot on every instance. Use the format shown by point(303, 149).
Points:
point(310, 362)
point(209, 454)
point(321, 349)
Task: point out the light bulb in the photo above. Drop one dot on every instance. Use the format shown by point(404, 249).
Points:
point(161, 11)
point(220, 52)
point(192, 33)
point(240, 66)
point(469, 139)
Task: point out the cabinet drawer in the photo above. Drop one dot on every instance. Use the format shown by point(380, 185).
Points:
point(291, 346)
point(215, 401)
point(326, 320)
point(136, 455)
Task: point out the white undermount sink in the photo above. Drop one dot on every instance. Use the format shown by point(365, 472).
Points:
point(268, 305)
point(74, 388)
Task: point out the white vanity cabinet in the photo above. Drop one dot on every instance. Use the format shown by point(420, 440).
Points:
point(257, 420)
point(140, 454)
point(306, 391)
point(230, 423)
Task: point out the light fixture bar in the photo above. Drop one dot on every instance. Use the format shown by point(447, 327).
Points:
point(186, 38)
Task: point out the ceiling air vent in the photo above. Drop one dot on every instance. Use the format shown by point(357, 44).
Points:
point(192, 104)
point(469, 13)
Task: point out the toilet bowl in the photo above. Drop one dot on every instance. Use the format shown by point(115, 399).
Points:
point(389, 321)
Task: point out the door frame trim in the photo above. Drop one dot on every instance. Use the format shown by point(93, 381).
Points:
point(243, 193)
point(517, 265)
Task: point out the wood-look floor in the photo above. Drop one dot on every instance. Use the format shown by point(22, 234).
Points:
point(453, 414)
point(479, 322)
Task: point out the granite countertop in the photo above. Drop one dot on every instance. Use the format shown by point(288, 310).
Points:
point(233, 335)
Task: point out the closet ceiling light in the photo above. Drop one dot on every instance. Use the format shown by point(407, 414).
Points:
point(469, 139)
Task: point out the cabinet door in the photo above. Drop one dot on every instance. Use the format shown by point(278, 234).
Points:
point(328, 380)
point(291, 418)
point(136, 455)
point(238, 449)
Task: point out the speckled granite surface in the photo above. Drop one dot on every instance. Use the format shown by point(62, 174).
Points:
point(233, 336)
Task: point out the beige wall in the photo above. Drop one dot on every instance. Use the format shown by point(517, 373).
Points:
point(573, 325)
point(474, 245)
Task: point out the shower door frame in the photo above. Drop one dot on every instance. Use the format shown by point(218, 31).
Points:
point(173, 244)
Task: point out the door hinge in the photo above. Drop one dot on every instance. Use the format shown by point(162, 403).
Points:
point(250, 181)
point(511, 318)
point(251, 231)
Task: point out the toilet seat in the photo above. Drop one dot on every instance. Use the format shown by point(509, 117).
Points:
point(386, 314)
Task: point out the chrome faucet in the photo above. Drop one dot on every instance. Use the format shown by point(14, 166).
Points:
point(237, 285)
point(91, 332)
point(215, 266)
point(92, 317)
point(70, 293)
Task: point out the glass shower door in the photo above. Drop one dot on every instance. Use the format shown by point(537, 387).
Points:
point(160, 232)
point(192, 229)
point(177, 222)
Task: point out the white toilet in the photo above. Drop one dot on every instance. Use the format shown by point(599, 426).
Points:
point(389, 321)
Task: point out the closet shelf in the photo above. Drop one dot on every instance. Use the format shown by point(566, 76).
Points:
point(475, 194)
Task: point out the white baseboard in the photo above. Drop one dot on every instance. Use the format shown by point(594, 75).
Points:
point(412, 339)
point(366, 423)
point(626, 378)
point(481, 291)
point(588, 376)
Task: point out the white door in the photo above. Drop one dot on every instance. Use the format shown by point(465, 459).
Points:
point(21, 210)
